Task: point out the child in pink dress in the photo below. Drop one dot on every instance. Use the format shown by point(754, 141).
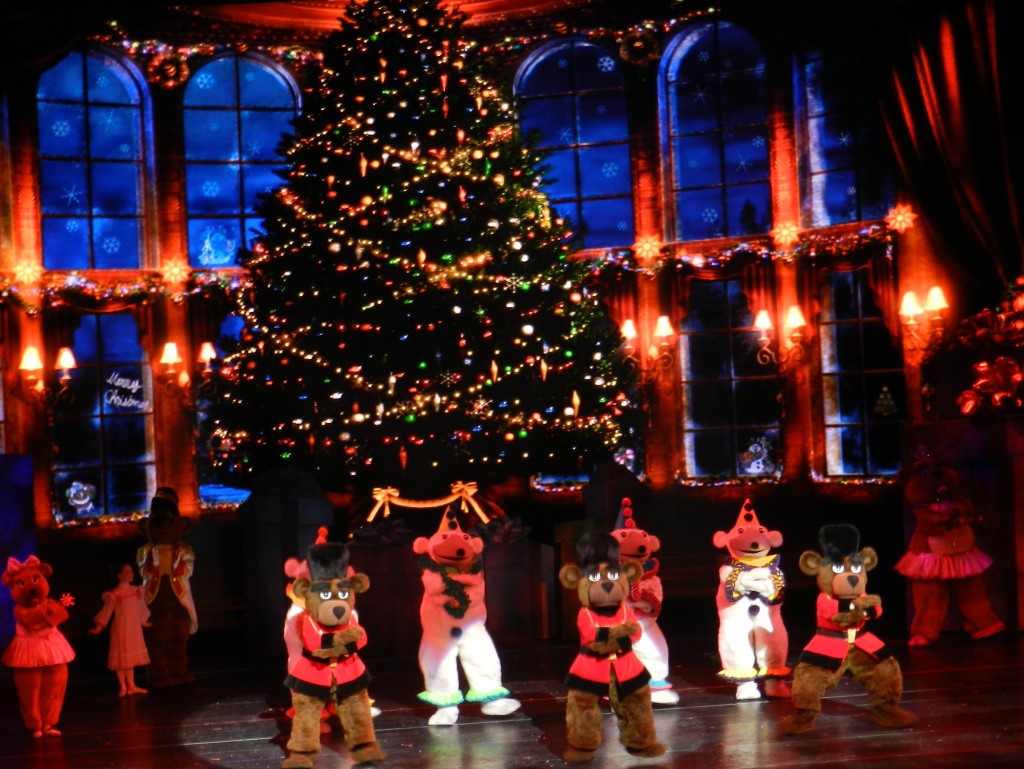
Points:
point(125, 609)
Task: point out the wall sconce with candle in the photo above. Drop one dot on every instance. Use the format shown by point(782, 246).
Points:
point(34, 389)
point(659, 358)
point(794, 330)
point(910, 310)
point(179, 383)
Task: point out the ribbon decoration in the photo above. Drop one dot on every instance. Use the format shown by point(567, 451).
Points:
point(461, 491)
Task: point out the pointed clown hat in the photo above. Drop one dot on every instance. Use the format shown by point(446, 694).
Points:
point(747, 516)
point(449, 522)
point(625, 518)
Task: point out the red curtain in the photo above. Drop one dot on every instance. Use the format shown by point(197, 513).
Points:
point(954, 115)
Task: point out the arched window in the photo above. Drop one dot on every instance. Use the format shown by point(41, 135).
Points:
point(92, 111)
point(571, 96)
point(846, 162)
point(714, 135)
point(235, 110)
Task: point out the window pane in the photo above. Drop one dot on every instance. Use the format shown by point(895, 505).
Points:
point(608, 222)
point(125, 439)
point(61, 130)
point(571, 92)
point(699, 215)
point(78, 441)
point(708, 355)
point(128, 488)
point(709, 404)
point(713, 454)
point(231, 152)
point(116, 244)
point(64, 187)
point(109, 82)
point(698, 162)
point(115, 189)
point(746, 155)
point(77, 493)
point(66, 243)
point(119, 338)
point(63, 81)
point(114, 133)
point(751, 205)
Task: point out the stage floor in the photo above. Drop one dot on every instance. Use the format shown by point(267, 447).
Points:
point(969, 695)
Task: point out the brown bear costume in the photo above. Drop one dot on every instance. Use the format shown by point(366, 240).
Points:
point(942, 560)
point(328, 669)
point(841, 646)
point(606, 664)
point(165, 564)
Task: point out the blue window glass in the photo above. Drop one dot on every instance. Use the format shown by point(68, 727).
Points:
point(236, 110)
point(731, 409)
point(846, 176)
point(714, 133)
point(103, 459)
point(863, 387)
point(571, 99)
point(92, 149)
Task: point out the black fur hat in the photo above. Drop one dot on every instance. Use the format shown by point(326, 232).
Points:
point(593, 548)
point(328, 560)
point(839, 541)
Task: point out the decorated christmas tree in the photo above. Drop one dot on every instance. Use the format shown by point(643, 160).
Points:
point(414, 310)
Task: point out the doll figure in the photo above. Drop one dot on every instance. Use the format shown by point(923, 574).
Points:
point(125, 610)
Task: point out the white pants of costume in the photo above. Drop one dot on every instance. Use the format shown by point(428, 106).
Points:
point(652, 648)
point(440, 654)
point(757, 641)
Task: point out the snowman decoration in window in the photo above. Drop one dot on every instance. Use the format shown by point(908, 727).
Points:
point(757, 458)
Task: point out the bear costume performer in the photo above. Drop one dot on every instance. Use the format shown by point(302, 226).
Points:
point(453, 616)
point(328, 668)
point(841, 646)
point(165, 564)
point(39, 654)
point(942, 560)
point(606, 664)
point(752, 640)
point(645, 599)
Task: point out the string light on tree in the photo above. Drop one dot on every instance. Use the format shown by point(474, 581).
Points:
point(411, 261)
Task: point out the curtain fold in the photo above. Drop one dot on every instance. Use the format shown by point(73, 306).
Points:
point(954, 117)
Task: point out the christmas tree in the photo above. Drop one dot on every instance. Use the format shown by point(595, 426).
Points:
point(413, 306)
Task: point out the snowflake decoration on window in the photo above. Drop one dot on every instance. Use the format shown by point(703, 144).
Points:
point(72, 195)
point(61, 128)
point(210, 189)
point(102, 81)
point(250, 77)
point(622, 226)
point(709, 215)
point(692, 163)
point(844, 138)
point(566, 136)
point(602, 109)
point(700, 95)
point(606, 64)
point(111, 245)
point(213, 126)
point(563, 63)
point(72, 225)
point(205, 81)
point(109, 121)
point(254, 148)
point(851, 191)
point(757, 141)
point(609, 170)
point(704, 57)
point(125, 148)
point(742, 164)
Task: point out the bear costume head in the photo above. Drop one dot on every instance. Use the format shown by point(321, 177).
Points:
point(601, 582)
point(841, 568)
point(165, 525)
point(329, 592)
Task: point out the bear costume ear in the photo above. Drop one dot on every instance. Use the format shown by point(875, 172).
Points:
point(869, 558)
point(633, 570)
point(301, 588)
point(569, 576)
point(359, 583)
point(810, 562)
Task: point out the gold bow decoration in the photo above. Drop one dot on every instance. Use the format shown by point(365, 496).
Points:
point(462, 492)
point(997, 386)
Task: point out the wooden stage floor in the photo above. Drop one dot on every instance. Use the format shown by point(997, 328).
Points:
point(969, 695)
